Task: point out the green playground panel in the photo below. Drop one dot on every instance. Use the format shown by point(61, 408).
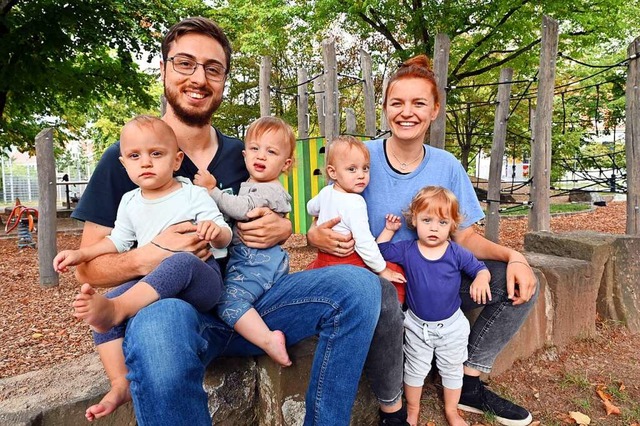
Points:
point(304, 181)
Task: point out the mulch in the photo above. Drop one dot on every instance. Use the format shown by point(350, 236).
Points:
point(37, 329)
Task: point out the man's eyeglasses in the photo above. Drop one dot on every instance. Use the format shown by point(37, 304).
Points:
point(187, 66)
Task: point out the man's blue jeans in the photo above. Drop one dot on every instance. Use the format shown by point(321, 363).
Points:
point(168, 345)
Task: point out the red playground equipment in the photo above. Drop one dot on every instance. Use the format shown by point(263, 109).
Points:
point(24, 219)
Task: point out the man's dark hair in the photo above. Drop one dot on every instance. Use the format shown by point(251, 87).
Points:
point(198, 25)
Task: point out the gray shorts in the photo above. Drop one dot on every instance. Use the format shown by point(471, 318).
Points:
point(448, 339)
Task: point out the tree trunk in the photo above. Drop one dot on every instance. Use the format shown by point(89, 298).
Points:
point(3, 103)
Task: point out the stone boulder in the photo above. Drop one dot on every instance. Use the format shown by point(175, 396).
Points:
point(242, 392)
point(565, 308)
point(569, 297)
point(531, 336)
point(615, 263)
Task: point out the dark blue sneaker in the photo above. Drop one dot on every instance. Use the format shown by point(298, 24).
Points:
point(398, 418)
point(393, 421)
point(482, 400)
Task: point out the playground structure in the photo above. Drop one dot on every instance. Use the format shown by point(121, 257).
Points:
point(306, 179)
point(308, 176)
point(24, 218)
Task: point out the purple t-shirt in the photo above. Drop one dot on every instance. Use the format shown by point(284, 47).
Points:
point(433, 286)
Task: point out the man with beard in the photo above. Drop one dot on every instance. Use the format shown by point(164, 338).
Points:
point(168, 345)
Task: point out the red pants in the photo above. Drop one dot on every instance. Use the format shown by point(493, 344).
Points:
point(325, 259)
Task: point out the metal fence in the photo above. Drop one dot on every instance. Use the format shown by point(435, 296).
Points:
point(21, 181)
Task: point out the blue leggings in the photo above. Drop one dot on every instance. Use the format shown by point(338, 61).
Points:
point(183, 276)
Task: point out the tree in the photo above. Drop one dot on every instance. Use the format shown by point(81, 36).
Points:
point(485, 37)
point(60, 61)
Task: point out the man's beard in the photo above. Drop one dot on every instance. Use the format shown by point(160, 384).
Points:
point(196, 118)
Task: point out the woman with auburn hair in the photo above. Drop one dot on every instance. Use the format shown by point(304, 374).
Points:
point(400, 166)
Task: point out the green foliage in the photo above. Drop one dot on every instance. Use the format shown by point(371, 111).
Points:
point(61, 62)
point(75, 66)
point(553, 209)
point(575, 380)
point(489, 35)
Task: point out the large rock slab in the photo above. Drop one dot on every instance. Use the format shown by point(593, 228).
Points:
point(282, 391)
point(570, 297)
point(58, 396)
point(621, 301)
point(242, 392)
point(616, 266)
point(231, 386)
point(531, 336)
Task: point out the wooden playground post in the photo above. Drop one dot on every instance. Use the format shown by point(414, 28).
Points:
point(47, 221)
point(318, 89)
point(350, 118)
point(492, 230)
point(384, 126)
point(331, 119)
point(540, 217)
point(369, 95)
point(265, 81)
point(303, 105)
point(441, 70)
point(632, 138)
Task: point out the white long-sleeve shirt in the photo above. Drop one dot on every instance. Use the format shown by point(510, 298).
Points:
point(352, 209)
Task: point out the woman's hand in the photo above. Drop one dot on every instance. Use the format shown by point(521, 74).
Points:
point(325, 239)
point(520, 273)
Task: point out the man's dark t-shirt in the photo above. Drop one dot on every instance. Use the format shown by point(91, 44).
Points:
point(109, 182)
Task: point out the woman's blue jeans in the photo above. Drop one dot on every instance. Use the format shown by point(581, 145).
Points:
point(169, 344)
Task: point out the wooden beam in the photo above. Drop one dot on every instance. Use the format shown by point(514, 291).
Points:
point(303, 105)
point(492, 229)
point(264, 83)
point(350, 114)
point(318, 88)
point(369, 95)
point(47, 210)
point(384, 125)
point(540, 216)
point(331, 95)
point(441, 70)
point(632, 138)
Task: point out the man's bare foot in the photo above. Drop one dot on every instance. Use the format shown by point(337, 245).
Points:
point(118, 395)
point(276, 348)
point(455, 419)
point(95, 309)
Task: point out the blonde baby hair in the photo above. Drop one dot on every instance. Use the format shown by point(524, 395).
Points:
point(438, 201)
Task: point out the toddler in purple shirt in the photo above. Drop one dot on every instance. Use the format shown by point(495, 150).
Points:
point(434, 323)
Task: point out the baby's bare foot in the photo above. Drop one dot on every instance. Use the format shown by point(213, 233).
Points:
point(277, 348)
point(118, 395)
point(95, 309)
